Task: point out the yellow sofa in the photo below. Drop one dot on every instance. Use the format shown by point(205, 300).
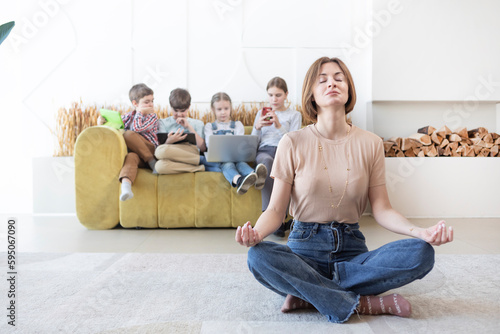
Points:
point(203, 199)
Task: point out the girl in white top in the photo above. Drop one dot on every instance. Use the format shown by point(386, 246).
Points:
point(271, 128)
point(239, 174)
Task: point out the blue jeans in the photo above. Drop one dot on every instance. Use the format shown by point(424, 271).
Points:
point(210, 166)
point(229, 169)
point(329, 266)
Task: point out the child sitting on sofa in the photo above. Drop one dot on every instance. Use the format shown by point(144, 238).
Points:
point(176, 156)
point(141, 126)
point(238, 174)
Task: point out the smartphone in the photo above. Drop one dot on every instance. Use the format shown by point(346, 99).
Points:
point(265, 110)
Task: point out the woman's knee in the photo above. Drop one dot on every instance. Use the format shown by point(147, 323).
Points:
point(261, 254)
point(426, 255)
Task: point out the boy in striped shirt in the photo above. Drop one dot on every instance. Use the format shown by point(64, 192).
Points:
point(141, 127)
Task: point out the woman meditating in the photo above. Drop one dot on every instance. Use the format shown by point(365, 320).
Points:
point(328, 171)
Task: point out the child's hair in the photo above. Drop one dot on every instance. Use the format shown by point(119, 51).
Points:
point(138, 91)
point(221, 96)
point(180, 99)
point(278, 83)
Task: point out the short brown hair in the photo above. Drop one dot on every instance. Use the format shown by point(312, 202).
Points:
point(138, 91)
point(180, 99)
point(277, 82)
point(309, 106)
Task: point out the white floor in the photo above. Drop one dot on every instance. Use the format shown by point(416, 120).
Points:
point(65, 234)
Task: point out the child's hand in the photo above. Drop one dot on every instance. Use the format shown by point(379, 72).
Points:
point(174, 137)
point(274, 119)
point(184, 122)
point(101, 120)
point(263, 121)
point(145, 110)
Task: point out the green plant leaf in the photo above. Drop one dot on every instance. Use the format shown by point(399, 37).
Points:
point(5, 30)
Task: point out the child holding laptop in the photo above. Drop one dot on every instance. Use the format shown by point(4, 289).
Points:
point(239, 174)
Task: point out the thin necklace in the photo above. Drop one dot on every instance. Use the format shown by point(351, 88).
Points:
point(328, 174)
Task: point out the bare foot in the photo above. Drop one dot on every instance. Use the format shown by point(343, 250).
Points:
point(293, 303)
point(392, 304)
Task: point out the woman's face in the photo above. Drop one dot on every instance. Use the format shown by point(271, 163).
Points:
point(222, 111)
point(277, 98)
point(331, 87)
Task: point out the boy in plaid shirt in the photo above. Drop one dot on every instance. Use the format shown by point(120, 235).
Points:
point(141, 127)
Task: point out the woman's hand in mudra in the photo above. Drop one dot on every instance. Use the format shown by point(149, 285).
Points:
point(438, 234)
point(246, 235)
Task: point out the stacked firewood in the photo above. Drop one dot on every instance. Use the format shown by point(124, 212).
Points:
point(429, 142)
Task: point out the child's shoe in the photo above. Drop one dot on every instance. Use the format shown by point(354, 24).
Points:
point(261, 171)
point(244, 183)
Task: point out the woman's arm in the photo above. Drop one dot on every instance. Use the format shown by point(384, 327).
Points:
point(392, 220)
point(270, 220)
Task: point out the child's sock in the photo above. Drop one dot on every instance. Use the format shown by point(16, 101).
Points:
point(152, 164)
point(126, 191)
point(392, 304)
point(236, 181)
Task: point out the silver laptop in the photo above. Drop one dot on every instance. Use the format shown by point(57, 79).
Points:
point(229, 148)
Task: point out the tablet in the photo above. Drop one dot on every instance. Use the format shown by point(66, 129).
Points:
point(190, 138)
point(113, 118)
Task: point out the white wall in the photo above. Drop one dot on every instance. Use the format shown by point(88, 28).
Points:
point(445, 50)
point(64, 50)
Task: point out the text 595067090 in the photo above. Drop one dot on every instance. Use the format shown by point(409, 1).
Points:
point(11, 271)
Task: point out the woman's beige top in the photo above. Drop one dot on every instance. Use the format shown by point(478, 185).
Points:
point(299, 162)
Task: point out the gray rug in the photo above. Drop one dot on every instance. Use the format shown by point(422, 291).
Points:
point(214, 293)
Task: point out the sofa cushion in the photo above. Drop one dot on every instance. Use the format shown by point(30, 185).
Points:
point(212, 200)
point(99, 155)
